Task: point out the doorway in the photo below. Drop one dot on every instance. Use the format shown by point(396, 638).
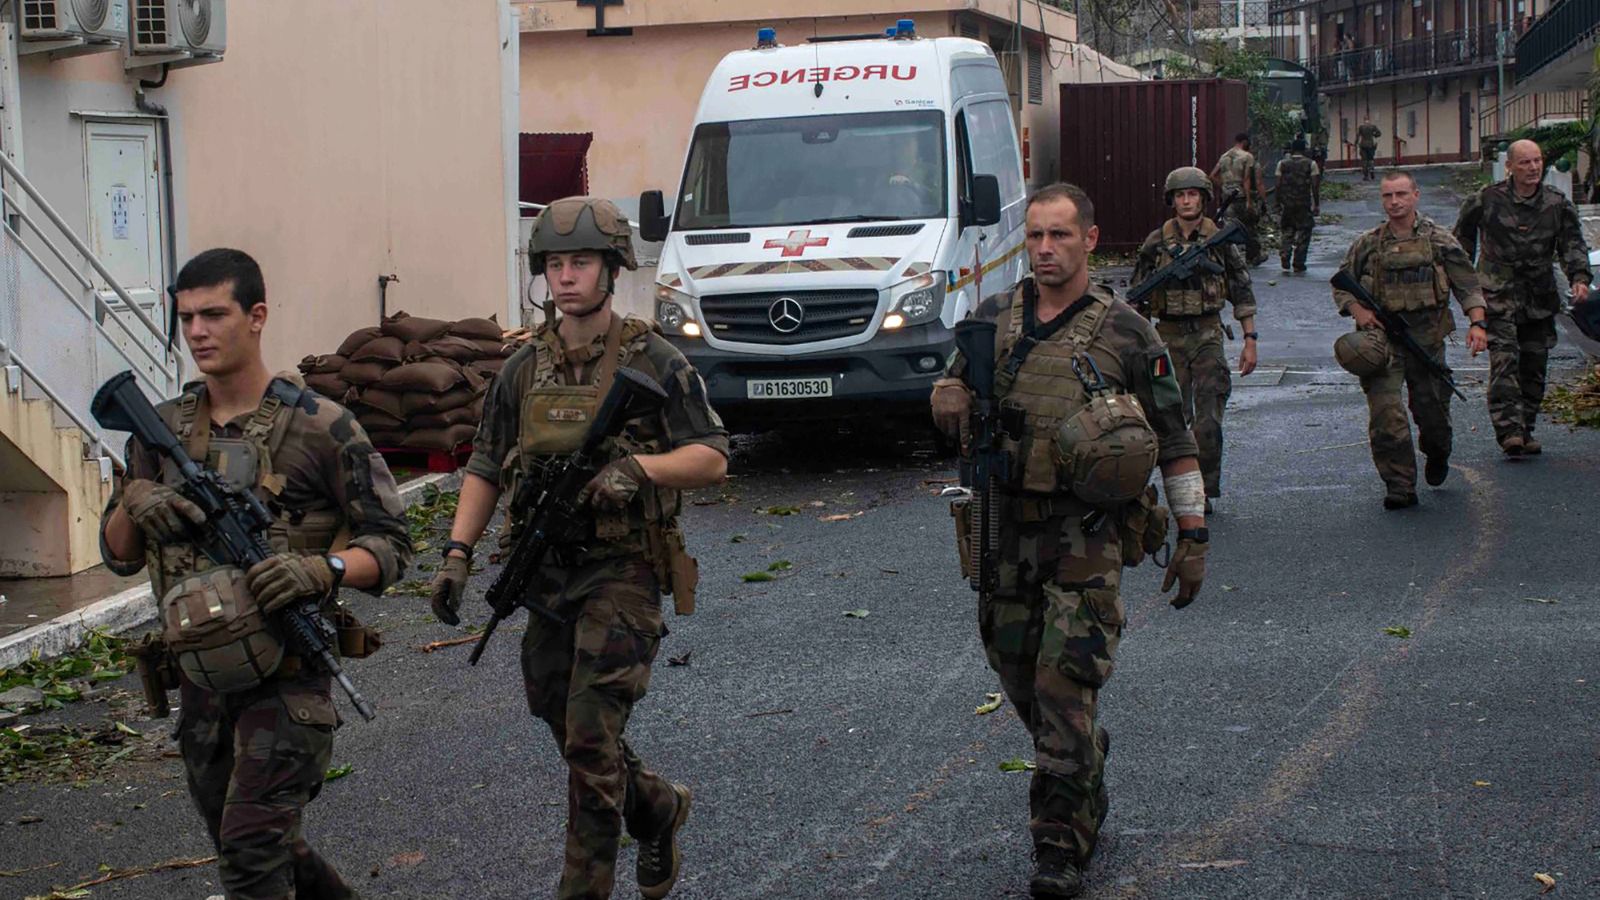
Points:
point(122, 168)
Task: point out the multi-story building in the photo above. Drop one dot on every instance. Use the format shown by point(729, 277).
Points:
point(1429, 73)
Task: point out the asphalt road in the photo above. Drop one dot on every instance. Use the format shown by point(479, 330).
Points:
point(1269, 741)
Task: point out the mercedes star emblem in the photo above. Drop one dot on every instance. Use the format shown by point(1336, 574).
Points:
point(786, 315)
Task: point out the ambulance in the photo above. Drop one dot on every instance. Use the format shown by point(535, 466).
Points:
point(844, 203)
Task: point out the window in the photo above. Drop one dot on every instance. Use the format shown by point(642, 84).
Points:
point(970, 29)
point(1035, 75)
point(552, 166)
point(992, 141)
point(1411, 123)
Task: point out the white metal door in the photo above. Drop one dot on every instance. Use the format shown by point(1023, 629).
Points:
point(125, 223)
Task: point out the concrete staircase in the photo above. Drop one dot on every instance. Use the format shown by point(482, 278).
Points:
point(51, 493)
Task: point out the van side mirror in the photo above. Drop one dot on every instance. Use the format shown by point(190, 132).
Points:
point(985, 199)
point(654, 223)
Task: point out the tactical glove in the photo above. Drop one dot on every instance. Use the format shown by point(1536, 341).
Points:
point(1188, 569)
point(448, 583)
point(952, 406)
point(163, 514)
point(615, 486)
point(280, 580)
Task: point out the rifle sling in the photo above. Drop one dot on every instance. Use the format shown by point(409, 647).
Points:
point(1033, 333)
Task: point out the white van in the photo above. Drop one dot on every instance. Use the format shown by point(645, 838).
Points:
point(843, 204)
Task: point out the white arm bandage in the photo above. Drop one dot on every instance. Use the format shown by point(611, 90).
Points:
point(1186, 494)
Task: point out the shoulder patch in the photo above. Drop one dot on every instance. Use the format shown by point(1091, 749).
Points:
point(1164, 382)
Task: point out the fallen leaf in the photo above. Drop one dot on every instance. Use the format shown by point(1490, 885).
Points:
point(840, 517)
point(338, 772)
point(757, 576)
point(406, 860)
point(1273, 283)
point(1229, 587)
point(1548, 882)
point(857, 613)
point(680, 660)
point(817, 504)
point(1399, 631)
point(1540, 600)
point(123, 727)
point(779, 510)
point(1017, 765)
point(781, 565)
point(1213, 864)
point(1480, 784)
point(991, 702)
point(736, 539)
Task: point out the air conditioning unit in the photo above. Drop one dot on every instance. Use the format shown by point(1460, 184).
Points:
point(176, 32)
point(70, 27)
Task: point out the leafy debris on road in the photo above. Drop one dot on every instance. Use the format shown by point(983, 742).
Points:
point(407, 860)
point(991, 702)
point(781, 565)
point(1540, 600)
point(69, 753)
point(1577, 403)
point(1481, 783)
point(779, 510)
point(422, 516)
point(680, 660)
point(1399, 631)
point(108, 874)
point(1212, 864)
point(1548, 882)
point(17, 873)
point(857, 613)
point(335, 773)
point(736, 539)
point(758, 576)
point(842, 517)
point(1016, 764)
point(411, 587)
point(62, 680)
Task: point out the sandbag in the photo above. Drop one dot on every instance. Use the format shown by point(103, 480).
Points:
point(458, 349)
point(381, 400)
point(386, 439)
point(432, 377)
point(422, 404)
point(439, 438)
point(332, 386)
point(498, 349)
point(384, 349)
point(326, 364)
point(487, 369)
point(361, 374)
point(463, 415)
point(486, 329)
point(373, 420)
point(413, 328)
point(358, 339)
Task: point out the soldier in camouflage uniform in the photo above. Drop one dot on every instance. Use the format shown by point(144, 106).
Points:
point(1367, 135)
point(1299, 186)
point(256, 756)
point(1411, 266)
point(1051, 625)
point(1187, 314)
point(1239, 178)
point(584, 677)
point(1518, 229)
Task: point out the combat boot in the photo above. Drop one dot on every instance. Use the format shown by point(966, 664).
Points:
point(1513, 445)
point(657, 869)
point(1531, 447)
point(1055, 874)
point(1399, 501)
point(1437, 470)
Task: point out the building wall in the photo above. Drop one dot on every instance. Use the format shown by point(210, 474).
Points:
point(1436, 122)
point(339, 148)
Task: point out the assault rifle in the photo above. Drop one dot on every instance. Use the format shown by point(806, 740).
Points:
point(551, 502)
point(982, 474)
point(1191, 262)
point(235, 533)
point(1395, 327)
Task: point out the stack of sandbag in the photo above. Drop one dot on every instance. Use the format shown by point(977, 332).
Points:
point(413, 382)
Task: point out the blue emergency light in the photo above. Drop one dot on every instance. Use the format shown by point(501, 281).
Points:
point(766, 38)
point(905, 28)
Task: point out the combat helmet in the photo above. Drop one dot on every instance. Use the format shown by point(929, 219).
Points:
point(1106, 451)
point(1187, 177)
point(1362, 353)
point(582, 223)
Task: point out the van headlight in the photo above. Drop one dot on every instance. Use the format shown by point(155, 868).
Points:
point(673, 312)
point(916, 301)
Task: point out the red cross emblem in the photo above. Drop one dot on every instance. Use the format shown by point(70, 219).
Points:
point(796, 243)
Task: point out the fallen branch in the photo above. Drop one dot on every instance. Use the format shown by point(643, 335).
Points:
point(133, 872)
point(452, 642)
point(14, 873)
point(769, 712)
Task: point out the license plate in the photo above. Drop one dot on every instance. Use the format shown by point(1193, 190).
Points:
point(788, 388)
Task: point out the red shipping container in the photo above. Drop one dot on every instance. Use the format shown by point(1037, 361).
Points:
point(1119, 141)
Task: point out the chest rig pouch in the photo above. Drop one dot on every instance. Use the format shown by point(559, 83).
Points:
point(1196, 295)
point(1037, 387)
point(1408, 278)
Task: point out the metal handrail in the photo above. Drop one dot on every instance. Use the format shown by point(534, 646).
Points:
point(45, 239)
point(97, 444)
point(89, 257)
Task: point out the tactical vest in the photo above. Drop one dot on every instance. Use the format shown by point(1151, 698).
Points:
point(1198, 295)
point(1294, 185)
point(554, 416)
point(1407, 277)
point(1045, 391)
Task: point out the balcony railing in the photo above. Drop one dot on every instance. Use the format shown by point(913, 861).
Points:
point(1449, 50)
point(1225, 14)
point(1564, 27)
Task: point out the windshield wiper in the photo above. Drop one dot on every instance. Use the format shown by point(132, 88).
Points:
point(835, 220)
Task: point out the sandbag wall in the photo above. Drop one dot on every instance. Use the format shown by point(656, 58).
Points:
point(412, 382)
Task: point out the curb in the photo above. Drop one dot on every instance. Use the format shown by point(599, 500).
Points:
point(135, 608)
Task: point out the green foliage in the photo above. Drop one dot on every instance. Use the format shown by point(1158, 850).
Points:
point(1561, 140)
point(1577, 403)
point(436, 504)
point(101, 658)
point(1337, 190)
point(1271, 123)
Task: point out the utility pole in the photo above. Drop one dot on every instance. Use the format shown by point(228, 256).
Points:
point(1500, 37)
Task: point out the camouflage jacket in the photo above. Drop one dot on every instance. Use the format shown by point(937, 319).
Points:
point(1131, 358)
point(324, 468)
point(1367, 135)
point(1516, 240)
point(1364, 256)
point(1233, 285)
point(1234, 166)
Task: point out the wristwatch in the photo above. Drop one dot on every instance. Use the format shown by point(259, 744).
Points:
point(1252, 335)
point(336, 566)
point(1479, 324)
point(1198, 535)
point(465, 548)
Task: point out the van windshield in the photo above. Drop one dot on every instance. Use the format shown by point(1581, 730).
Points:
point(843, 168)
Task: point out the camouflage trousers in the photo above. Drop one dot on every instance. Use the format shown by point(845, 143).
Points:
point(254, 760)
point(1519, 352)
point(1049, 630)
point(1367, 156)
point(1248, 219)
point(583, 679)
point(1202, 370)
point(1294, 236)
point(1388, 429)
